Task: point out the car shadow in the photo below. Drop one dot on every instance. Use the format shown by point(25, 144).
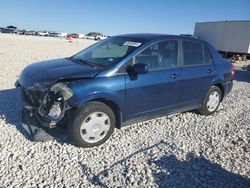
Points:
point(10, 108)
point(168, 171)
point(242, 75)
point(10, 112)
point(171, 172)
point(195, 172)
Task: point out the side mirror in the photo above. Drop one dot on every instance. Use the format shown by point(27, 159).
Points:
point(140, 68)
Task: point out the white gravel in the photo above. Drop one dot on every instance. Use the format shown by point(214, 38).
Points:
point(182, 150)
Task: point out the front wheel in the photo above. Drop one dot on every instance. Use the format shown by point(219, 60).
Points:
point(211, 101)
point(93, 124)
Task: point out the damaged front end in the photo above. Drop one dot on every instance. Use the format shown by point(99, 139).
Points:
point(47, 103)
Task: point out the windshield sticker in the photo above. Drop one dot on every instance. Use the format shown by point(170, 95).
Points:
point(130, 43)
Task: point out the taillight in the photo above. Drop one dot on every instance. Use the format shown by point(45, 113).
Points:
point(232, 71)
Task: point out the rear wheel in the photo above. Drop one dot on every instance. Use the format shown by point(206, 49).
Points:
point(211, 102)
point(93, 124)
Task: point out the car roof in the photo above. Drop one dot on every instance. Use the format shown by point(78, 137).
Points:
point(153, 36)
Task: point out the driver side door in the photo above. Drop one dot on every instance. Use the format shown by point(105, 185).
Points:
point(160, 88)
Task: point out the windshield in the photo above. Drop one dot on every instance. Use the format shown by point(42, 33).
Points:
point(107, 52)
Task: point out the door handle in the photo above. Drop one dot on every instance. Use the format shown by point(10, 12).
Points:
point(174, 76)
point(209, 71)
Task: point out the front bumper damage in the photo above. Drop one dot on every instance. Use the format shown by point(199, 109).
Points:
point(43, 108)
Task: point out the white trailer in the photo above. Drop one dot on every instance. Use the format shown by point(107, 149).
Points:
point(228, 37)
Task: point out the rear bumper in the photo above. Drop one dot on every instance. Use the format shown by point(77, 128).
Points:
point(228, 87)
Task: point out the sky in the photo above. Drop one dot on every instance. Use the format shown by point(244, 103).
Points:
point(113, 17)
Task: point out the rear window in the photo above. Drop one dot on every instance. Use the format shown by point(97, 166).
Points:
point(192, 53)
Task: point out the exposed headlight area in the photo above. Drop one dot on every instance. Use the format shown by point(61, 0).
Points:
point(52, 106)
point(55, 111)
point(63, 89)
point(48, 104)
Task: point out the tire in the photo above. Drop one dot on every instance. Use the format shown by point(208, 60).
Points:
point(91, 119)
point(209, 108)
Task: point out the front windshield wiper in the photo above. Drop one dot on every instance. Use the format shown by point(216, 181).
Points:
point(82, 61)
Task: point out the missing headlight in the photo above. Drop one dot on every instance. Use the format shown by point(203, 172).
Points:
point(55, 111)
point(55, 104)
point(65, 91)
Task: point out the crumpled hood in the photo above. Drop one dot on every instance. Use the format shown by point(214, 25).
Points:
point(53, 70)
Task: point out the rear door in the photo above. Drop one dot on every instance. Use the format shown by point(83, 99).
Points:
point(160, 88)
point(198, 71)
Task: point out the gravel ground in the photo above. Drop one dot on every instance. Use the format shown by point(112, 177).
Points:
point(181, 150)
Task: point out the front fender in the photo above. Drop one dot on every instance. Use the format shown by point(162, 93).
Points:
point(96, 96)
point(109, 88)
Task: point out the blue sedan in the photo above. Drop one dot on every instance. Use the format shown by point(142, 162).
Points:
point(122, 80)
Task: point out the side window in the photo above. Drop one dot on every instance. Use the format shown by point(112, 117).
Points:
point(192, 53)
point(208, 57)
point(159, 56)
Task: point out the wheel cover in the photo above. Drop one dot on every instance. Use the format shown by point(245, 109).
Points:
point(213, 101)
point(95, 127)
